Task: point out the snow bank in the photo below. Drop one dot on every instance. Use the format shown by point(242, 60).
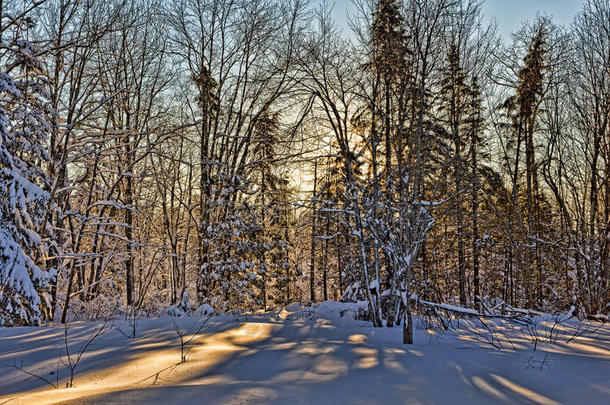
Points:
point(294, 307)
point(332, 310)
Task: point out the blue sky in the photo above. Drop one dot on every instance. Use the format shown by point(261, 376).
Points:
point(508, 13)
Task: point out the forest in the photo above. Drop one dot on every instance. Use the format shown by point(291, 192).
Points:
point(248, 154)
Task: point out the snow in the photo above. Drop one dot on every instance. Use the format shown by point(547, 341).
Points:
point(204, 310)
point(341, 313)
point(304, 355)
point(453, 308)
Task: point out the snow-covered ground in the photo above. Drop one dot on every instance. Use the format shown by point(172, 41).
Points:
point(297, 356)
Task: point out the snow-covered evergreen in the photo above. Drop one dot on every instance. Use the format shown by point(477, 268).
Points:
point(24, 125)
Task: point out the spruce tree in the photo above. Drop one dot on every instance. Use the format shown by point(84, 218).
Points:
point(24, 126)
point(454, 98)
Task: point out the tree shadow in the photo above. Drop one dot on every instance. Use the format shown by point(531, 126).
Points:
point(264, 360)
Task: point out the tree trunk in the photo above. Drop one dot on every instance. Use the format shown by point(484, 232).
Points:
point(407, 321)
point(312, 285)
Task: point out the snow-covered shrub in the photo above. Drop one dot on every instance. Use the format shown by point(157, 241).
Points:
point(332, 310)
point(185, 302)
point(101, 306)
point(174, 310)
point(181, 309)
point(204, 310)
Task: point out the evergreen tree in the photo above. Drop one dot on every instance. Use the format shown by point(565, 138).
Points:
point(454, 98)
point(474, 123)
point(24, 126)
point(524, 110)
point(388, 43)
point(264, 154)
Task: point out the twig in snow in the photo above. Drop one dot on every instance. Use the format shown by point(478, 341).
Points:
point(193, 331)
point(47, 381)
point(73, 359)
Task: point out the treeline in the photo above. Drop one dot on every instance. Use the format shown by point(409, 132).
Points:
point(151, 149)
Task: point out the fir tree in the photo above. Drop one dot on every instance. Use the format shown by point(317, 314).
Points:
point(454, 96)
point(24, 126)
